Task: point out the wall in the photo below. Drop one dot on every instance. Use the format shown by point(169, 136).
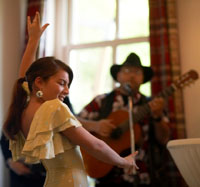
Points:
point(2, 167)
point(189, 33)
point(11, 32)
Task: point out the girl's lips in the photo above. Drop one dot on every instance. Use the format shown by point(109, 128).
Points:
point(61, 98)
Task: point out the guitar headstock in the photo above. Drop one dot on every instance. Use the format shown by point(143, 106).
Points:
point(186, 79)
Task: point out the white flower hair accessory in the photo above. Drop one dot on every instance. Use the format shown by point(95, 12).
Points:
point(26, 89)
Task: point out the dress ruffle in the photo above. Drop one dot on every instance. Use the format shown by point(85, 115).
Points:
point(44, 140)
point(17, 146)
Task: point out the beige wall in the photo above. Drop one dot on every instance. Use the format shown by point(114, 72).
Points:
point(11, 46)
point(2, 177)
point(11, 12)
point(189, 33)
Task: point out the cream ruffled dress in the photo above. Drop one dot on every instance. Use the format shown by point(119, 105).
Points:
point(45, 143)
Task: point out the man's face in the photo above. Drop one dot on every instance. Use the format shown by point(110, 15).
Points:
point(131, 75)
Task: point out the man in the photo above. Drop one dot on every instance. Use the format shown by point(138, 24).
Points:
point(153, 126)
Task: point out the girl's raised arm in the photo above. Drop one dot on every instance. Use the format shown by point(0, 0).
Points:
point(34, 33)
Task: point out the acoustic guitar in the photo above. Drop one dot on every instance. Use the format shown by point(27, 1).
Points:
point(119, 139)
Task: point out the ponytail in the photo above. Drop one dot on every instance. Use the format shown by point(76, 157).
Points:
point(12, 123)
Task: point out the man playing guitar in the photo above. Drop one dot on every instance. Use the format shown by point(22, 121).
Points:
point(153, 127)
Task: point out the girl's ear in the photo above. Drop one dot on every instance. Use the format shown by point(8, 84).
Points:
point(38, 82)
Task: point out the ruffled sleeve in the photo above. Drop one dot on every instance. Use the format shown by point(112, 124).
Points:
point(44, 140)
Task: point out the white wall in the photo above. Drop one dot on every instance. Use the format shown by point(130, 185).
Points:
point(11, 12)
point(189, 33)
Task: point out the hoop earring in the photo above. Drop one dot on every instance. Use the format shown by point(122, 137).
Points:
point(39, 93)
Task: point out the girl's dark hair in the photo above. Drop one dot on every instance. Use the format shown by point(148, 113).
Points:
point(44, 68)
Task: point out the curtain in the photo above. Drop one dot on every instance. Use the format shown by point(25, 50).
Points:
point(32, 7)
point(165, 59)
point(166, 65)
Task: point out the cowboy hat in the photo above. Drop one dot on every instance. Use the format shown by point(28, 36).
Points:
point(132, 60)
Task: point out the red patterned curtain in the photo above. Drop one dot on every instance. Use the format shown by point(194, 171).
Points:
point(165, 59)
point(32, 7)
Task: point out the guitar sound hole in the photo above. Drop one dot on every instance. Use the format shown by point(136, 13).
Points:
point(116, 133)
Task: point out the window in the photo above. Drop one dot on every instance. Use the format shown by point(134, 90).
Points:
point(92, 35)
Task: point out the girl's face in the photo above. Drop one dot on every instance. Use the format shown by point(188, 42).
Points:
point(56, 86)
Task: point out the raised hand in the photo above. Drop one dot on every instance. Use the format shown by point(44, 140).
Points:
point(35, 30)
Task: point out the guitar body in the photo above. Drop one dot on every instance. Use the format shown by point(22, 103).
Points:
point(98, 169)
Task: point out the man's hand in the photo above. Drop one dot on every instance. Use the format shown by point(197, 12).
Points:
point(104, 127)
point(157, 107)
point(162, 130)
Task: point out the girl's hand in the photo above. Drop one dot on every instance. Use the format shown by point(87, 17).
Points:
point(130, 164)
point(34, 28)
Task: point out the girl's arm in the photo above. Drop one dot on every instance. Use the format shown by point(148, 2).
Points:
point(34, 33)
point(98, 148)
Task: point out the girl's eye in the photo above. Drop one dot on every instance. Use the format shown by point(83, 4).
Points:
point(62, 83)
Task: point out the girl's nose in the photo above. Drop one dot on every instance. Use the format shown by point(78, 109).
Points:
point(66, 90)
